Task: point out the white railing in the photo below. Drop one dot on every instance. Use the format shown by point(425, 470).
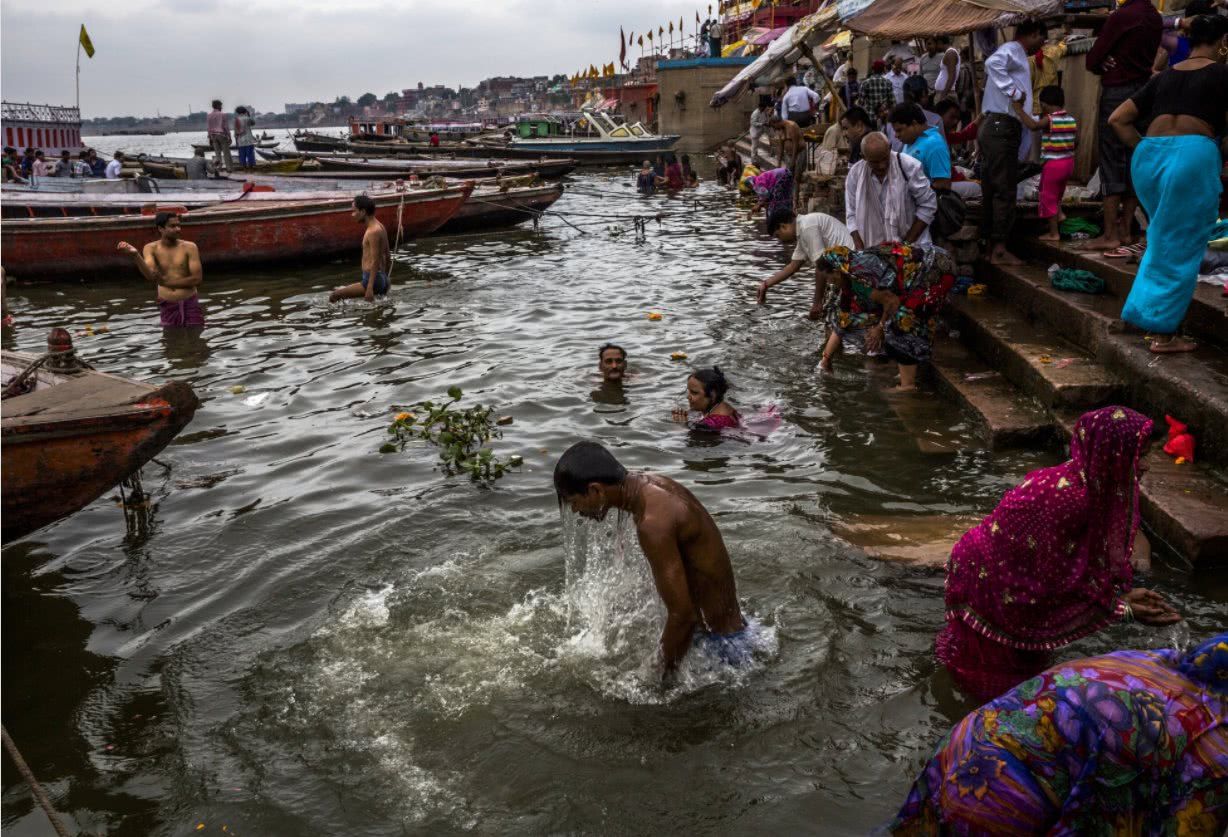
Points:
point(53, 114)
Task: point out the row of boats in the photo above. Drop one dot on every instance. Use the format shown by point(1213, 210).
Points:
point(71, 433)
point(65, 228)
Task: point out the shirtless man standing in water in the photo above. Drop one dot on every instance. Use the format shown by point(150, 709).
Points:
point(680, 540)
point(174, 266)
point(376, 256)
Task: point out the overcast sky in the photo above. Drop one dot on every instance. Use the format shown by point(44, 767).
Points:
point(167, 55)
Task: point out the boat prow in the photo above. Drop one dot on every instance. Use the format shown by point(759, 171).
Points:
point(75, 433)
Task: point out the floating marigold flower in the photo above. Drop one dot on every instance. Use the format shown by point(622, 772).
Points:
point(404, 416)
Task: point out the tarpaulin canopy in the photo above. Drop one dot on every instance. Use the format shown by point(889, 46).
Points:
point(767, 36)
point(902, 19)
point(781, 54)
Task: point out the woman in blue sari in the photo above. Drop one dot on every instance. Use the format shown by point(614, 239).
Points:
point(1176, 170)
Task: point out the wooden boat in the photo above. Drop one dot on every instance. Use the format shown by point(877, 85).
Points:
point(490, 207)
point(173, 169)
point(475, 169)
point(308, 141)
point(72, 433)
point(266, 144)
point(229, 234)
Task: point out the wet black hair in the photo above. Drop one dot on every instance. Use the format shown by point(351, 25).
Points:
point(364, 203)
point(584, 463)
point(1207, 29)
point(714, 384)
point(907, 114)
point(947, 105)
point(164, 218)
point(241, 109)
point(1053, 95)
point(217, 103)
point(1031, 27)
point(1194, 8)
point(784, 215)
point(856, 116)
point(601, 352)
point(670, 158)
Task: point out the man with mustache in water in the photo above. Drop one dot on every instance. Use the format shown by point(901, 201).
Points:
point(689, 562)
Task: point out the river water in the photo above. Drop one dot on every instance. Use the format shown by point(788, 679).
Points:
point(305, 636)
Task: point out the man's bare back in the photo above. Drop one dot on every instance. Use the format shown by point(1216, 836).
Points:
point(689, 562)
point(376, 254)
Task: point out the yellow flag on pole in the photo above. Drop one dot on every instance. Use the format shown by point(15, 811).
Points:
point(86, 43)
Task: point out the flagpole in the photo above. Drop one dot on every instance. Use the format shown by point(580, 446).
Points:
point(78, 75)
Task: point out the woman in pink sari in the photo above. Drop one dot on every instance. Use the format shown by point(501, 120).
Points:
point(705, 394)
point(1052, 563)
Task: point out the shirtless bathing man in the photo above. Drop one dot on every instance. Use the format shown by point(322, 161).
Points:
point(174, 266)
point(689, 562)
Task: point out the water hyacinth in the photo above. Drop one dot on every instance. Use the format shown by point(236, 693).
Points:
point(461, 436)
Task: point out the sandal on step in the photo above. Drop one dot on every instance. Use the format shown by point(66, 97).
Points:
point(1119, 253)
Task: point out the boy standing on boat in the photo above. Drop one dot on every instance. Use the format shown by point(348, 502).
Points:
point(376, 256)
point(219, 136)
point(174, 266)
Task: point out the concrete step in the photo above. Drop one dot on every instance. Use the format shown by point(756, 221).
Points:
point(1033, 356)
point(1207, 318)
point(1007, 418)
point(1192, 387)
point(1185, 506)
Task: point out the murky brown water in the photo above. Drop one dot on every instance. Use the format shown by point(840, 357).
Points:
point(309, 637)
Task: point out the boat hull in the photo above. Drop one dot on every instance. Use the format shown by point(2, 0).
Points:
point(229, 235)
point(488, 210)
point(56, 462)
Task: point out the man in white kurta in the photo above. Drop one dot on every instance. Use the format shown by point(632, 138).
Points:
point(887, 197)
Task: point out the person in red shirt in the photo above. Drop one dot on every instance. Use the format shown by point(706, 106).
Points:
point(434, 139)
point(1122, 56)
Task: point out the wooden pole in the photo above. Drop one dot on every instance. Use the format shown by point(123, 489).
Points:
point(39, 795)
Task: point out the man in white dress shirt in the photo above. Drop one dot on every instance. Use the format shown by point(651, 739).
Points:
point(887, 197)
point(798, 104)
point(1007, 80)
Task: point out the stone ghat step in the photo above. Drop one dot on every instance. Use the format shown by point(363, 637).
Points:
point(1033, 356)
point(1007, 417)
point(1207, 318)
point(1185, 506)
point(1192, 387)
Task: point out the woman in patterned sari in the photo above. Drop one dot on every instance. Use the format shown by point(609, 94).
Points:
point(774, 188)
point(1128, 743)
point(1052, 564)
point(888, 297)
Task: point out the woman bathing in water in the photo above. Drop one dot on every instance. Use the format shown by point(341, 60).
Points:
point(705, 393)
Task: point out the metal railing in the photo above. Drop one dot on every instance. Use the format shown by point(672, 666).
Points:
point(53, 114)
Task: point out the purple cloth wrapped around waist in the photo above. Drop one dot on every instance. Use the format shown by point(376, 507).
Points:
point(185, 313)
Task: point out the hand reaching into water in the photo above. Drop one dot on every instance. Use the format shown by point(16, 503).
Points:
point(1150, 608)
point(680, 415)
point(874, 340)
point(761, 296)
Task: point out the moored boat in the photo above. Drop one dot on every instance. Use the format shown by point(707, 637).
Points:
point(490, 207)
point(174, 169)
point(237, 233)
point(609, 142)
point(309, 141)
point(71, 433)
point(335, 165)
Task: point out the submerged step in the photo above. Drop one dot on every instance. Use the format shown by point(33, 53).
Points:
point(1033, 356)
point(1007, 417)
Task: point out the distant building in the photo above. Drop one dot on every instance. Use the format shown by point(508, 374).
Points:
point(297, 107)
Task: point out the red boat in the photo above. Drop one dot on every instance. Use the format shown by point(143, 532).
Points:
point(231, 234)
point(71, 433)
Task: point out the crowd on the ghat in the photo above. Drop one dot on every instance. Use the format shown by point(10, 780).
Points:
point(1133, 742)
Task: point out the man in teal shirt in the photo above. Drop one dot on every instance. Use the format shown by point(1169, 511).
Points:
point(924, 143)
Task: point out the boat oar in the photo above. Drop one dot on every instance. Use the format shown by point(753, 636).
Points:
point(35, 787)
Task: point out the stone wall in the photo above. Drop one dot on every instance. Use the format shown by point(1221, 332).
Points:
point(686, 87)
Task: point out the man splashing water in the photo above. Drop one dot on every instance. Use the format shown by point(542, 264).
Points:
point(689, 562)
